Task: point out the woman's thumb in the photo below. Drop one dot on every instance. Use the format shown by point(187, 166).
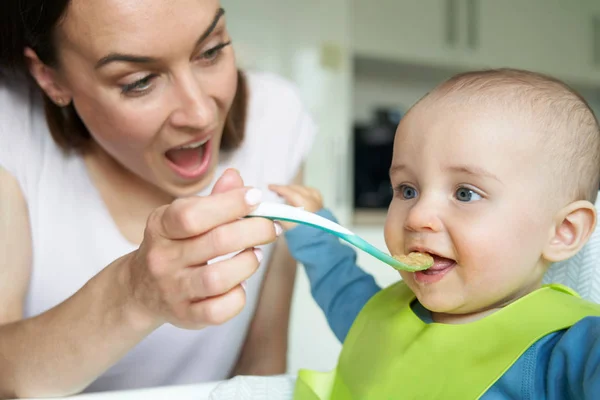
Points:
point(230, 180)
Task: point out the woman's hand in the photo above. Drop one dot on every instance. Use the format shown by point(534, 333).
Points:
point(170, 276)
point(299, 196)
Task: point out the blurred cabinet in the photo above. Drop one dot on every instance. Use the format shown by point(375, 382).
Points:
point(559, 37)
point(407, 30)
point(551, 36)
point(592, 11)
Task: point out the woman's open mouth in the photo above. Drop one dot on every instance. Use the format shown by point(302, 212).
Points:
point(191, 160)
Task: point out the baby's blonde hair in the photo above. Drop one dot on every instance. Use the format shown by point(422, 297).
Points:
point(570, 133)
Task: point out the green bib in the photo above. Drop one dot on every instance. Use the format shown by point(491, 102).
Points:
point(390, 353)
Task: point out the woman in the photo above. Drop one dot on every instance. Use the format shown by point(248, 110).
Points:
point(114, 273)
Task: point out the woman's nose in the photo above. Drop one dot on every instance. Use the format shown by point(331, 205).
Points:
point(193, 106)
point(424, 216)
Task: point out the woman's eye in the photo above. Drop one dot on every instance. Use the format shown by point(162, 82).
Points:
point(407, 192)
point(213, 54)
point(466, 195)
point(138, 87)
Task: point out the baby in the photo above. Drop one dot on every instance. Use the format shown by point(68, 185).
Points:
point(495, 174)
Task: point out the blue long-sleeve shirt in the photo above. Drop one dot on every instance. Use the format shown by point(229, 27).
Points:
point(562, 365)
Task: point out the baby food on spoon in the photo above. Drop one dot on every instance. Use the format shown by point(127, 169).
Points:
point(415, 259)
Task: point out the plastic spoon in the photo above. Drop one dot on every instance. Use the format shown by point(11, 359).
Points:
point(283, 212)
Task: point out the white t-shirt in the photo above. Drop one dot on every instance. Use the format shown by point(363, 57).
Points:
point(74, 237)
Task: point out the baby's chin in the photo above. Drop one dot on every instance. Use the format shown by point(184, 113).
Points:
point(449, 310)
point(439, 305)
point(442, 301)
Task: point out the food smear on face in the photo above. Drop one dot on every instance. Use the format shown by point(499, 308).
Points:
point(415, 259)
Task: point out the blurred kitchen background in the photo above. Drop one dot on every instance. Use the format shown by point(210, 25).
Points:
point(361, 64)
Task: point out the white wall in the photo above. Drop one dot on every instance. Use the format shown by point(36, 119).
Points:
point(307, 42)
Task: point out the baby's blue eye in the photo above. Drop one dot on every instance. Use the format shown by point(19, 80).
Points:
point(466, 195)
point(408, 192)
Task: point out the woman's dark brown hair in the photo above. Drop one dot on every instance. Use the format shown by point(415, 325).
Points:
point(31, 23)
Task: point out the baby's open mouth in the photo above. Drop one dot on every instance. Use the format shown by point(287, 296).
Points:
point(440, 265)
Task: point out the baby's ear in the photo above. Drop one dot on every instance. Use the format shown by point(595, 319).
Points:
point(573, 227)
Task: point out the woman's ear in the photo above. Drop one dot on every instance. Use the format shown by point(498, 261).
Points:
point(574, 224)
point(47, 79)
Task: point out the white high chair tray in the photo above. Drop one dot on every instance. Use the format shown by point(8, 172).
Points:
point(239, 388)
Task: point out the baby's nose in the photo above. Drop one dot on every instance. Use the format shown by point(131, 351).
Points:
point(423, 217)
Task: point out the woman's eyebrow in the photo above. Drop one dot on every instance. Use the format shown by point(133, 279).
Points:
point(131, 58)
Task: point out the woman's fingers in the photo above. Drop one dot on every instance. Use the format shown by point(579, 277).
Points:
point(217, 310)
point(215, 279)
point(169, 274)
point(193, 216)
point(226, 239)
point(229, 180)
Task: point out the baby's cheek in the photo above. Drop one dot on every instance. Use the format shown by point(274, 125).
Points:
point(394, 241)
point(393, 230)
point(493, 260)
point(482, 253)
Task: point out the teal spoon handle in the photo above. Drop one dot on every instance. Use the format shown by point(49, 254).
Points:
point(283, 212)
